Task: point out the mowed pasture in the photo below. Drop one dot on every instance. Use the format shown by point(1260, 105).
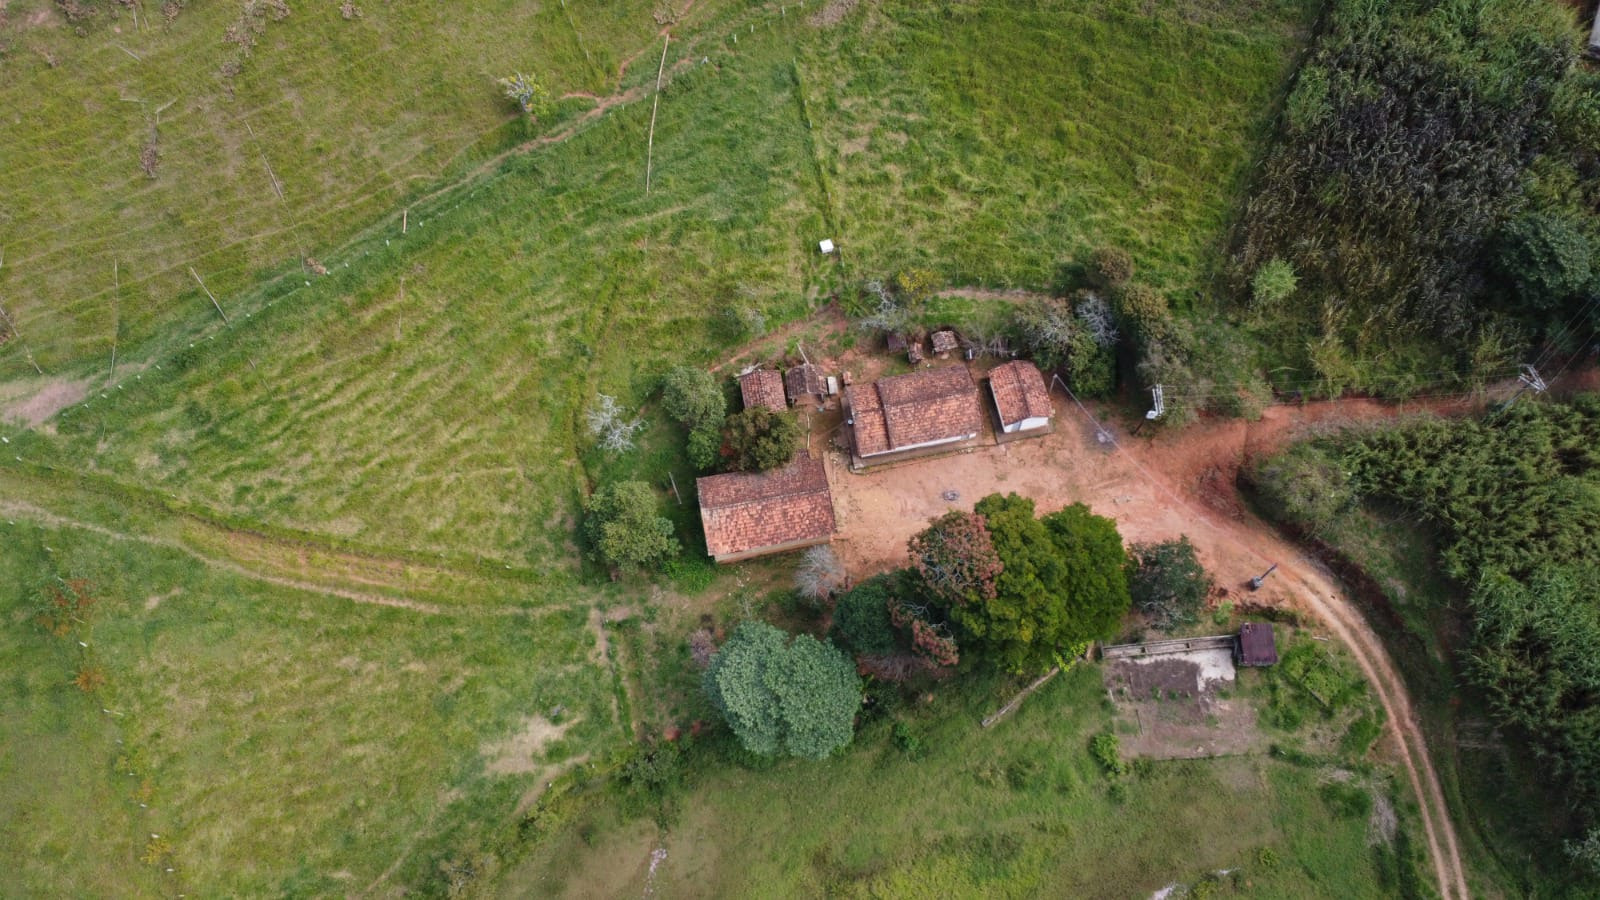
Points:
point(328, 124)
point(247, 739)
point(422, 403)
point(427, 395)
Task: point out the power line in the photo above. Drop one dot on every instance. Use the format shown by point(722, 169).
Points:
point(1549, 350)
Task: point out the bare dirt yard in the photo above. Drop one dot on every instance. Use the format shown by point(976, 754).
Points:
point(1181, 706)
point(1159, 486)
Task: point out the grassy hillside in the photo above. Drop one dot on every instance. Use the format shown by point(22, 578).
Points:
point(408, 426)
point(427, 394)
point(276, 739)
point(351, 116)
point(1018, 810)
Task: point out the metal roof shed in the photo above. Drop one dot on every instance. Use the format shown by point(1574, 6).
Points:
point(1257, 646)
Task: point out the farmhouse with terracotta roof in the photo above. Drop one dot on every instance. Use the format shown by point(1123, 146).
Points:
point(754, 514)
point(1021, 400)
point(762, 387)
point(911, 415)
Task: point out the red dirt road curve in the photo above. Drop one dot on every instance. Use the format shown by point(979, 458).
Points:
point(1156, 489)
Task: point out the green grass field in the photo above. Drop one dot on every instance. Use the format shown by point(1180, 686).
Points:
point(427, 394)
point(278, 740)
point(353, 117)
point(1014, 811)
point(410, 425)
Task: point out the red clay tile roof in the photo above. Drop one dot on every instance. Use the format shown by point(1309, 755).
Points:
point(748, 511)
point(909, 410)
point(804, 380)
point(763, 387)
point(1019, 392)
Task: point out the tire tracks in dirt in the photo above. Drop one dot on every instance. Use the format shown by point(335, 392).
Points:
point(399, 600)
point(1319, 590)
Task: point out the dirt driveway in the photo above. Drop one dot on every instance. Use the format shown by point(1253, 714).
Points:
point(1158, 488)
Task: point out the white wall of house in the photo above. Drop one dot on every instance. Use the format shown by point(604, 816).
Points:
point(1027, 424)
point(903, 449)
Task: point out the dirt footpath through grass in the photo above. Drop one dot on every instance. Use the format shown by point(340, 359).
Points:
point(1157, 488)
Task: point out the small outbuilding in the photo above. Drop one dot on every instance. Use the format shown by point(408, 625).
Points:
point(944, 342)
point(914, 351)
point(896, 342)
point(1256, 645)
point(753, 514)
point(805, 383)
point(762, 387)
point(1021, 399)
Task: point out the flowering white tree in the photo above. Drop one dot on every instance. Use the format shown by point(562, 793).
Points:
point(610, 426)
point(527, 92)
point(820, 574)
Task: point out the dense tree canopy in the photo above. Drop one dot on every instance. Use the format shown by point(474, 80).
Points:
point(1064, 583)
point(1548, 259)
point(1414, 133)
point(1536, 652)
point(624, 528)
point(692, 397)
point(861, 616)
point(1514, 500)
point(1167, 582)
point(758, 439)
point(797, 698)
point(694, 400)
point(956, 559)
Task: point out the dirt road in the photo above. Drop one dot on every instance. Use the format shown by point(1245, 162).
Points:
point(1156, 489)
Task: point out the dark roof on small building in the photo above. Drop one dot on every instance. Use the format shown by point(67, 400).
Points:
point(924, 407)
point(896, 343)
point(745, 512)
point(1257, 645)
point(763, 387)
point(804, 380)
point(944, 341)
point(1019, 392)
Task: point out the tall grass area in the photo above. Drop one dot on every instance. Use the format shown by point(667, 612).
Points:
point(244, 739)
point(951, 810)
point(993, 143)
point(353, 116)
point(428, 393)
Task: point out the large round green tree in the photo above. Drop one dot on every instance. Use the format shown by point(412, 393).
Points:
point(779, 696)
point(759, 440)
point(624, 527)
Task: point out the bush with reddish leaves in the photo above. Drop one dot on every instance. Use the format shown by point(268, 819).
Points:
point(956, 559)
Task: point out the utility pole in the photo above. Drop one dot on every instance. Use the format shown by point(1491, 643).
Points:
point(1157, 409)
point(1530, 381)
